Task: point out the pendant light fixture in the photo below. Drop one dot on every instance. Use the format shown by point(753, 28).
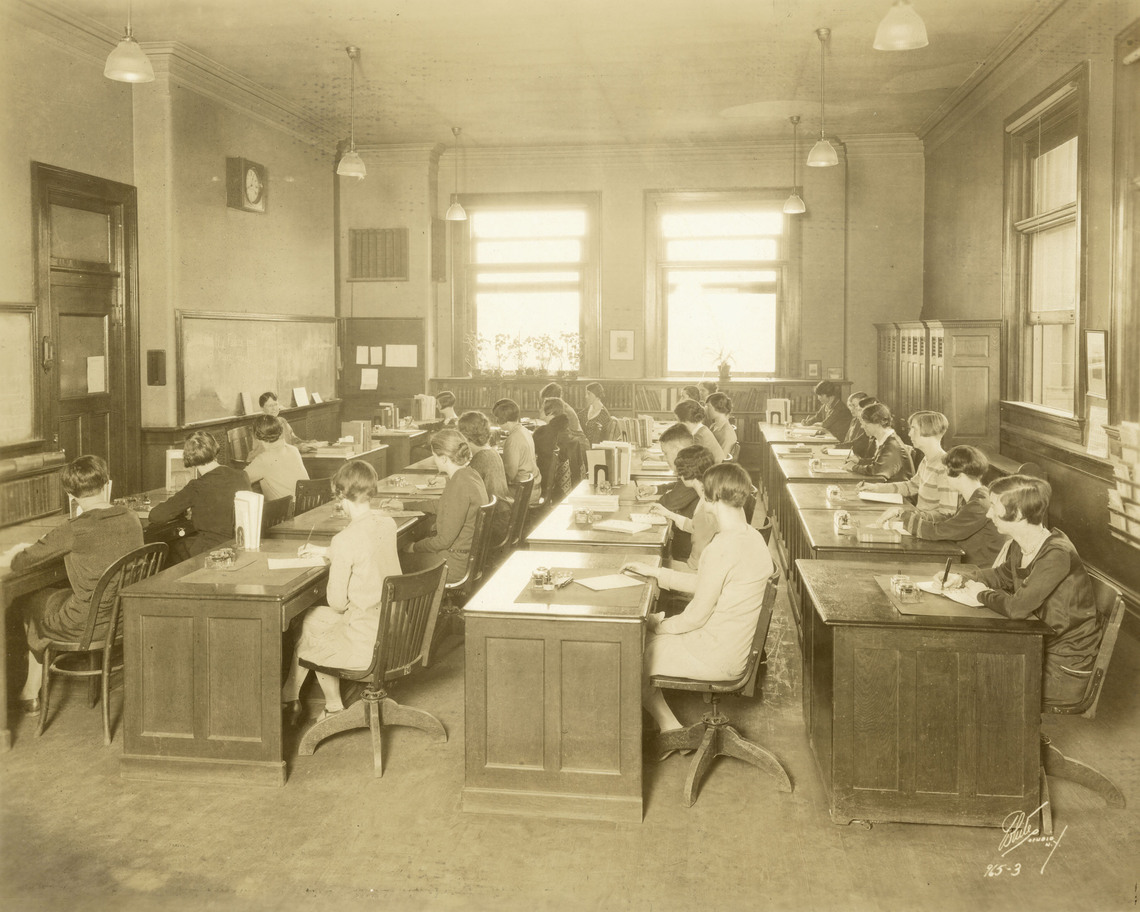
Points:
point(351, 164)
point(902, 29)
point(822, 154)
point(127, 62)
point(456, 212)
point(794, 204)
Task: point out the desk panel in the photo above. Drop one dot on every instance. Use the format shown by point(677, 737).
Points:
point(558, 531)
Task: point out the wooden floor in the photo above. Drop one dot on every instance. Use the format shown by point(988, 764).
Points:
point(77, 836)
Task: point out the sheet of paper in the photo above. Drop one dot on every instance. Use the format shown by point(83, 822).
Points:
point(300, 396)
point(317, 400)
point(651, 518)
point(967, 595)
point(96, 374)
point(376, 352)
point(613, 581)
point(622, 525)
point(837, 451)
point(369, 378)
point(880, 498)
point(402, 355)
point(362, 354)
point(293, 563)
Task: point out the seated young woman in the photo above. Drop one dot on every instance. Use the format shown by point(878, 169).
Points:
point(890, 459)
point(1040, 573)
point(554, 391)
point(706, 389)
point(597, 423)
point(445, 405)
point(833, 416)
point(476, 428)
point(518, 447)
point(278, 467)
point(691, 464)
point(717, 409)
point(272, 407)
point(860, 444)
point(710, 639)
point(693, 392)
point(692, 415)
point(455, 512)
point(208, 500)
point(361, 556)
point(970, 527)
point(934, 496)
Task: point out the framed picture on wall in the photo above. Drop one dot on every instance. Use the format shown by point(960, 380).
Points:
point(813, 370)
point(835, 373)
point(621, 344)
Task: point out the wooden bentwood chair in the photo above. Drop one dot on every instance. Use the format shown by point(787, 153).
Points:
point(275, 511)
point(311, 493)
point(713, 736)
point(521, 493)
point(129, 569)
point(408, 613)
point(1110, 612)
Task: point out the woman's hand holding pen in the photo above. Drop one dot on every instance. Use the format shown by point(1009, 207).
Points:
point(663, 511)
point(311, 550)
point(639, 568)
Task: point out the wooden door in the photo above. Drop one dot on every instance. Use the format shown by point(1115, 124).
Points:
point(85, 256)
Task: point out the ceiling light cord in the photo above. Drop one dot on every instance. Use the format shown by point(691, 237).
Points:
point(822, 154)
point(351, 164)
point(456, 212)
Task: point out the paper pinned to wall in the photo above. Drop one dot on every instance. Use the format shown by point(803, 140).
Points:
point(362, 354)
point(377, 352)
point(96, 374)
point(402, 355)
point(369, 378)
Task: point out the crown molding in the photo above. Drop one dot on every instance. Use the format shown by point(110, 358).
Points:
point(401, 153)
point(73, 32)
point(884, 145)
point(966, 100)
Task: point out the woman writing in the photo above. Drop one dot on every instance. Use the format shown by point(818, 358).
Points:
point(455, 513)
point(833, 416)
point(889, 460)
point(597, 424)
point(710, 639)
point(692, 415)
point(934, 496)
point(476, 428)
point(717, 408)
point(361, 556)
point(691, 465)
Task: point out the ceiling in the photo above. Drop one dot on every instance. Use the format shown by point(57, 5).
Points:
point(570, 72)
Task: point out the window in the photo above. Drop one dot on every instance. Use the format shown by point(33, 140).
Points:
point(722, 265)
point(1044, 179)
point(528, 286)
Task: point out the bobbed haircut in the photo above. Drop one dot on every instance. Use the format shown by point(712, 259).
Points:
point(876, 414)
point(689, 411)
point(505, 410)
point(827, 388)
point(597, 389)
point(720, 402)
point(693, 392)
point(476, 427)
point(355, 481)
point(265, 397)
point(929, 424)
point(857, 396)
point(966, 460)
point(676, 435)
point(867, 400)
point(85, 476)
point(267, 428)
point(198, 449)
point(727, 482)
point(445, 399)
point(450, 443)
point(1024, 496)
point(551, 391)
point(693, 462)
point(552, 405)
point(709, 386)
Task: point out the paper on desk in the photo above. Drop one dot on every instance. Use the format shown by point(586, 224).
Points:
point(826, 469)
point(613, 581)
point(294, 563)
point(966, 595)
point(880, 498)
point(622, 525)
point(837, 451)
point(654, 464)
point(652, 518)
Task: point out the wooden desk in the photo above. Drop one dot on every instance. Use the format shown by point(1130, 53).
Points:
point(639, 471)
point(401, 443)
point(321, 523)
point(625, 493)
point(559, 532)
point(415, 486)
point(427, 464)
point(553, 695)
point(918, 719)
point(326, 466)
point(787, 470)
point(811, 496)
point(772, 434)
point(203, 670)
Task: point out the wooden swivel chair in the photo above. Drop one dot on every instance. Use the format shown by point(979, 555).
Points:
point(129, 569)
point(455, 595)
point(521, 493)
point(1110, 612)
point(408, 614)
point(713, 736)
point(274, 512)
point(734, 452)
point(311, 493)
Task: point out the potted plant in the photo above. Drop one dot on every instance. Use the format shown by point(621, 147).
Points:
point(570, 351)
point(722, 358)
point(544, 350)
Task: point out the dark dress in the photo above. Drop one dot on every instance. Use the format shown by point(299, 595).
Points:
point(210, 500)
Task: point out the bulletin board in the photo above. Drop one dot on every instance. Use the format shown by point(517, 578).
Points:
point(386, 352)
point(222, 355)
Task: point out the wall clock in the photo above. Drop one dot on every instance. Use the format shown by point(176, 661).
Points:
point(247, 185)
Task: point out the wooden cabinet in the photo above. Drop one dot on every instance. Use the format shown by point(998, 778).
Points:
point(953, 367)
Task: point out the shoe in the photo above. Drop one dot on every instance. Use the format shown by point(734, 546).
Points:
point(30, 707)
point(325, 714)
point(291, 712)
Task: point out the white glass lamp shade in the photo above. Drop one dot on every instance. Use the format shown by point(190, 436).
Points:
point(456, 213)
point(794, 204)
point(351, 165)
point(902, 29)
point(128, 63)
point(822, 155)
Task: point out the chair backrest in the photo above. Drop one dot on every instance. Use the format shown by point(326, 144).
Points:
point(311, 493)
point(408, 611)
point(480, 545)
point(734, 451)
point(1110, 612)
point(275, 511)
point(760, 637)
point(521, 492)
point(126, 571)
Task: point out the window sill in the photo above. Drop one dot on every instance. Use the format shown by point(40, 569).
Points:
point(1063, 427)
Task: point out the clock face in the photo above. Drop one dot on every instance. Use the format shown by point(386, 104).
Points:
point(253, 186)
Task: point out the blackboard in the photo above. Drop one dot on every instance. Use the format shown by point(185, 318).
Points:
point(221, 356)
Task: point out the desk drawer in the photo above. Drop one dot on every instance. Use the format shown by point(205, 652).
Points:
point(301, 602)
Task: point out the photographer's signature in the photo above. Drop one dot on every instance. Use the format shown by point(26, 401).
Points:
point(1019, 829)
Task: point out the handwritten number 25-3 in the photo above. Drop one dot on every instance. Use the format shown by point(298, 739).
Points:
point(997, 870)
